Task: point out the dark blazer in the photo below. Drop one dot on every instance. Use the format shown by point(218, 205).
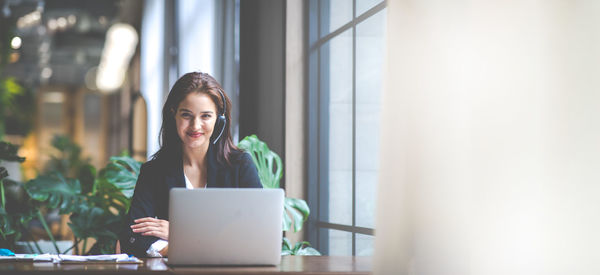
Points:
point(157, 177)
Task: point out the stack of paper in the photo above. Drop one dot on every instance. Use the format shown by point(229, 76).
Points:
point(29, 258)
point(109, 258)
point(68, 259)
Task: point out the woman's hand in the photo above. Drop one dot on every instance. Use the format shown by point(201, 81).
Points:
point(152, 227)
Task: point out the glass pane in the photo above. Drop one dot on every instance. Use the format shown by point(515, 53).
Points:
point(334, 14)
point(365, 5)
point(364, 245)
point(337, 79)
point(369, 76)
point(340, 242)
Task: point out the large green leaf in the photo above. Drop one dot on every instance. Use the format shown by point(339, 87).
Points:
point(299, 211)
point(85, 221)
point(56, 191)
point(121, 172)
point(268, 163)
point(286, 247)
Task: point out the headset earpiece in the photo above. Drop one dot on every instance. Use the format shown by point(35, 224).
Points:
point(221, 119)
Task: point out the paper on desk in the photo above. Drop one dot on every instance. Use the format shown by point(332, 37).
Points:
point(108, 258)
point(65, 259)
point(29, 258)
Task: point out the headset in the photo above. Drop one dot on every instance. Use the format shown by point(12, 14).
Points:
point(221, 119)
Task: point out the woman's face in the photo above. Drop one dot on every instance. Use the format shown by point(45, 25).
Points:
point(195, 118)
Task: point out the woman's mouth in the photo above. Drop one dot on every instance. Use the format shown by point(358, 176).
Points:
point(195, 134)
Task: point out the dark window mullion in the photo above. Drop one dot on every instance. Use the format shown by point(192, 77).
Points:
point(353, 126)
point(347, 228)
point(355, 21)
point(323, 138)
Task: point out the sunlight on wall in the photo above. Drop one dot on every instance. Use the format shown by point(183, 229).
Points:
point(491, 139)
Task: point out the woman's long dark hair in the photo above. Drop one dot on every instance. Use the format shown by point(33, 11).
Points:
point(170, 143)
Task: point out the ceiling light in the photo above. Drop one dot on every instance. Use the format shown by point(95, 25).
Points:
point(52, 24)
point(30, 19)
point(15, 43)
point(72, 19)
point(61, 22)
point(120, 44)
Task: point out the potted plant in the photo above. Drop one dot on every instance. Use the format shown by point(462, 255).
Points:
point(270, 171)
point(94, 201)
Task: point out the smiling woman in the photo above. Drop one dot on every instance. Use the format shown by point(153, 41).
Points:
point(195, 119)
point(196, 151)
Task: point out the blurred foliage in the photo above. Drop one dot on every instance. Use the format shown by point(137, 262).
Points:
point(67, 161)
point(17, 103)
point(96, 202)
point(13, 199)
point(8, 152)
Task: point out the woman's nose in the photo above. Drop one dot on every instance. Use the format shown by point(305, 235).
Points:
point(197, 123)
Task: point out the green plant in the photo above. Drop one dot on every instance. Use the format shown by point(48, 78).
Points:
point(270, 167)
point(95, 211)
point(10, 225)
point(301, 248)
point(96, 202)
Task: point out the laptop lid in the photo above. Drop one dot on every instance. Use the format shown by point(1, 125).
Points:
point(222, 226)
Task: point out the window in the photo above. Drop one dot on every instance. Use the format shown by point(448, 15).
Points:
point(346, 50)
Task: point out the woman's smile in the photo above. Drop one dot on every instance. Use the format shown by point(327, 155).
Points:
point(195, 134)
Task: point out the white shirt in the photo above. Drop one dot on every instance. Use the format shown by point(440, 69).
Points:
point(156, 247)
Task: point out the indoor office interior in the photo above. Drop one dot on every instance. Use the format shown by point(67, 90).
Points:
point(85, 81)
point(429, 137)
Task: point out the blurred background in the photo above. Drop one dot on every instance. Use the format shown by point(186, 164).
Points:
point(52, 52)
point(469, 129)
point(84, 81)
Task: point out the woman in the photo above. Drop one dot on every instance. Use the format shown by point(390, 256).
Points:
point(196, 152)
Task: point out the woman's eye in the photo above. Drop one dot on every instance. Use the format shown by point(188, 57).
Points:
point(186, 115)
point(206, 116)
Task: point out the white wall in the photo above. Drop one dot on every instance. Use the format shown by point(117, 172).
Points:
point(196, 23)
point(152, 69)
point(491, 139)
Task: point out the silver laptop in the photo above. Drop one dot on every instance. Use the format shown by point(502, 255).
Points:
point(223, 226)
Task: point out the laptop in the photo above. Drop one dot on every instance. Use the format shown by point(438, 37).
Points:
point(224, 226)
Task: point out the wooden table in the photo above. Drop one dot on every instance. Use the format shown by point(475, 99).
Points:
point(289, 265)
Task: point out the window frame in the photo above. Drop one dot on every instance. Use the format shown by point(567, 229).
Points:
point(318, 121)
